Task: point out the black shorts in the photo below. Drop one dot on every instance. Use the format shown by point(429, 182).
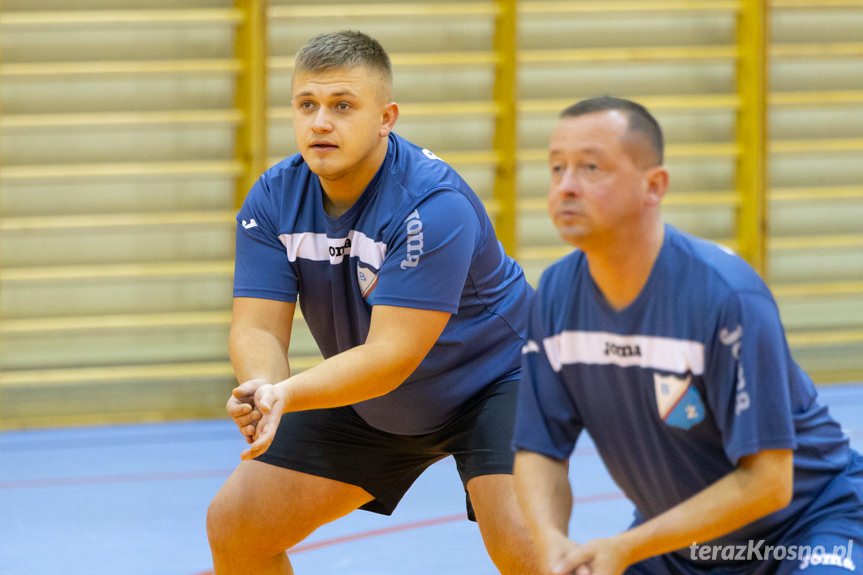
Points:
point(338, 444)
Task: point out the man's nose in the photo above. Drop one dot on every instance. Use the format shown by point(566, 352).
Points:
point(322, 121)
point(570, 183)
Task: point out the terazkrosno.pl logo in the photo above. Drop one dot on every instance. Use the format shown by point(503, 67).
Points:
point(759, 551)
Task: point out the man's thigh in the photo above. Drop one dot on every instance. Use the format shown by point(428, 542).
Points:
point(481, 440)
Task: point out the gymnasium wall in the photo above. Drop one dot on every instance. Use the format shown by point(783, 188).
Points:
point(128, 136)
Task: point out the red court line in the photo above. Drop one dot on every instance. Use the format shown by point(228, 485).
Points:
point(118, 478)
point(424, 523)
point(377, 532)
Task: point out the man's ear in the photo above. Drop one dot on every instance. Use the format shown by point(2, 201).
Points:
point(657, 184)
point(388, 120)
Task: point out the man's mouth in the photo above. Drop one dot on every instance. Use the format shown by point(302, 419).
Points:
point(568, 214)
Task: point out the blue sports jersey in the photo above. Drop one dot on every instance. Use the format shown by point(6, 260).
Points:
point(676, 387)
point(417, 237)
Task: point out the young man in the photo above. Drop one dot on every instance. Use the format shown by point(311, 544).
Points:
point(414, 304)
point(669, 351)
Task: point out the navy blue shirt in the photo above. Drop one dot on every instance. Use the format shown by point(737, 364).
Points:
point(417, 237)
point(675, 388)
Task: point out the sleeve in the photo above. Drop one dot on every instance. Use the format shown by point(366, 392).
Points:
point(429, 258)
point(261, 268)
point(547, 420)
point(748, 378)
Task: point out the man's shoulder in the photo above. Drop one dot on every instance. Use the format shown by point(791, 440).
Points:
point(283, 186)
point(420, 172)
point(713, 264)
point(417, 179)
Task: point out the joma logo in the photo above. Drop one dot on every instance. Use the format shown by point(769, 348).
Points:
point(622, 350)
point(414, 248)
point(336, 251)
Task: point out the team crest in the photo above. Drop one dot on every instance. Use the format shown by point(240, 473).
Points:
point(368, 280)
point(678, 402)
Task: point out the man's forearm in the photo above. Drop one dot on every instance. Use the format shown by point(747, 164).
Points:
point(397, 342)
point(739, 498)
point(361, 373)
point(544, 493)
point(256, 353)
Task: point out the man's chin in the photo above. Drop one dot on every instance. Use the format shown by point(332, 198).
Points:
point(320, 168)
point(571, 235)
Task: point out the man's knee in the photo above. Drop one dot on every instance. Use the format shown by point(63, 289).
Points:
point(216, 525)
point(232, 530)
point(224, 526)
point(264, 510)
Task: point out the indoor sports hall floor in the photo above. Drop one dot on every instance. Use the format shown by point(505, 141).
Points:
point(131, 500)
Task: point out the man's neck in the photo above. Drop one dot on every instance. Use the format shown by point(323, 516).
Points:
point(621, 267)
point(342, 192)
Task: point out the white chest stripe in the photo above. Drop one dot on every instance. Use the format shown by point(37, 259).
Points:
point(306, 245)
point(600, 348)
point(320, 248)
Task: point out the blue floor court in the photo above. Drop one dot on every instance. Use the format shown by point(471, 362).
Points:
point(131, 500)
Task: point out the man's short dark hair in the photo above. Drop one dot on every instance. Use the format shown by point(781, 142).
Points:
point(638, 118)
point(345, 49)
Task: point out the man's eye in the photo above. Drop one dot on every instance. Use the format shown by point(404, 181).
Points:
point(343, 106)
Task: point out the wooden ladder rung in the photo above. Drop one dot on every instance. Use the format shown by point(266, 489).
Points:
point(116, 271)
point(119, 321)
point(109, 17)
point(638, 6)
point(91, 221)
point(377, 11)
point(804, 194)
point(819, 98)
point(629, 54)
point(115, 374)
point(11, 70)
point(663, 102)
point(99, 119)
point(816, 145)
point(818, 289)
point(827, 241)
point(825, 337)
point(820, 50)
point(815, 4)
point(121, 169)
point(125, 373)
point(113, 322)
